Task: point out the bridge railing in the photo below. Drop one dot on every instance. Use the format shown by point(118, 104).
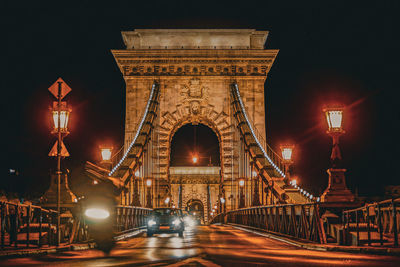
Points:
point(26, 225)
point(375, 224)
point(300, 221)
point(129, 218)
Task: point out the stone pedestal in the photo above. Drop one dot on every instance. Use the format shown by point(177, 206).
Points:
point(337, 190)
point(66, 195)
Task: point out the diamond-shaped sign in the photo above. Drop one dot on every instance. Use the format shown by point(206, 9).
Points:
point(64, 151)
point(65, 89)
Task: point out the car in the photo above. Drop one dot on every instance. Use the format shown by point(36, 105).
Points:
point(165, 220)
point(188, 219)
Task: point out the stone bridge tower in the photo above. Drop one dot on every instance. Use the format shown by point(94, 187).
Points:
point(195, 69)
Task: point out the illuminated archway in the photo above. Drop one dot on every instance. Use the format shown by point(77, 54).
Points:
point(195, 145)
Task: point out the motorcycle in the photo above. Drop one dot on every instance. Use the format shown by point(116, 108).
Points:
point(99, 212)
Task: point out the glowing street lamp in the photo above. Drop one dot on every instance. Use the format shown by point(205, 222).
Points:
point(337, 190)
point(106, 153)
point(149, 203)
point(334, 118)
point(60, 114)
point(241, 193)
point(287, 153)
point(64, 116)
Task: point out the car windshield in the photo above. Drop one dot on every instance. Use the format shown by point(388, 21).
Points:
point(164, 212)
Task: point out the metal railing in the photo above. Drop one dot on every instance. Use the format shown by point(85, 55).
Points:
point(130, 218)
point(274, 158)
point(373, 224)
point(28, 224)
point(300, 221)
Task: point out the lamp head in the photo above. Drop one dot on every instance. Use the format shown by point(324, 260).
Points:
point(334, 118)
point(106, 153)
point(287, 152)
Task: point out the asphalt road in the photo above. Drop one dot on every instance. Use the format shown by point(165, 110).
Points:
point(204, 246)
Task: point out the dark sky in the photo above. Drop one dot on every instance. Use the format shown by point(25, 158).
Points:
point(330, 51)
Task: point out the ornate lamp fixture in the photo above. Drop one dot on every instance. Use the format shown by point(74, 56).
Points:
point(149, 183)
point(106, 153)
point(337, 190)
point(64, 116)
point(287, 153)
point(334, 118)
point(241, 193)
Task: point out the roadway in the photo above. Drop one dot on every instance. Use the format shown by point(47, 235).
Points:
point(204, 246)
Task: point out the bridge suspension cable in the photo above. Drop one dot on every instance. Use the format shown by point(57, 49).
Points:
point(257, 155)
point(127, 158)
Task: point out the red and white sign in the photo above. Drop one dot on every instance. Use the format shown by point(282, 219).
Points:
point(65, 89)
point(64, 151)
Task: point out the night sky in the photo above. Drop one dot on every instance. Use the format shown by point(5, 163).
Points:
point(330, 51)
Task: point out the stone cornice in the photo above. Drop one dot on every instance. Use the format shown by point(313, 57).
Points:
point(196, 53)
point(228, 63)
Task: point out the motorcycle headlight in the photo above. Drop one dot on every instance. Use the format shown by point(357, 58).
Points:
point(151, 222)
point(97, 213)
point(176, 222)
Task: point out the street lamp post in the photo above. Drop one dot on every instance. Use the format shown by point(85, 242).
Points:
point(60, 116)
point(287, 153)
point(337, 190)
point(256, 194)
point(241, 193)
point(149, 183)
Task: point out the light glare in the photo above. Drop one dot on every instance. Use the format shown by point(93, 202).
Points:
point(97, 213)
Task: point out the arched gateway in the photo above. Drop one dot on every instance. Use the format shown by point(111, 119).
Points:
point(190, 74)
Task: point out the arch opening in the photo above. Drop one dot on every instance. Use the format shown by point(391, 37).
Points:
point(195, 145)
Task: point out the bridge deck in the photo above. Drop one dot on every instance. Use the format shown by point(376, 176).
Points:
point(208, 246)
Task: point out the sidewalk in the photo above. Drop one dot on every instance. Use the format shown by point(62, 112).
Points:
point(34, 251)
point(320, 247)
point(23, 251)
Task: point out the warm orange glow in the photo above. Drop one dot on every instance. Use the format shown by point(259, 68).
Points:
point(241, 182)
point(195, 159)
point(334, 118)
point(287, 152)
point(64, 116)
point(106, 153)
point(148, 182)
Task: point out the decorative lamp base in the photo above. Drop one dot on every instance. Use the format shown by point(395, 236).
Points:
point(337, 190)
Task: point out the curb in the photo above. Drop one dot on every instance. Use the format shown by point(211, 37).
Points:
point(318, 247)
point(44, 251)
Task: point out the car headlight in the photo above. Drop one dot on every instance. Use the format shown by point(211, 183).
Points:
point(97, 213)
point(189, 221)
point(151, 222)
point(176, 222)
